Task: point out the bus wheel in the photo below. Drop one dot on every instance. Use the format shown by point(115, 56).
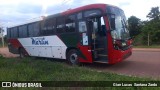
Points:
point(72, 57)
point(21, 53)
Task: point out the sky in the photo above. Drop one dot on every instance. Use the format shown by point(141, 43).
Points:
point(17, 11)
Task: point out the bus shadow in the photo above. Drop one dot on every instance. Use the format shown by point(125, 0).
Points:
point(90, 65)
point(99, 66)
point(112, 67)
point(51, 59)
point(96, 65)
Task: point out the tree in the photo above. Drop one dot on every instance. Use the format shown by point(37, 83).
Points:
point(1, 36)
point(134, 25)
point(1, 30)
point(151, 29)
point(154, 13)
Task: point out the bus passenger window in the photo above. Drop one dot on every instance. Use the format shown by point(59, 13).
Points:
point(12, 33)
point(70, 23)
point(60, 25)
point(30, 30)
point(92, 13)
point(23, 31)
point(49, 26)
point(15, 34)
point(82, 26)
point(79, 16)
point(8, 32)
point(33, 29)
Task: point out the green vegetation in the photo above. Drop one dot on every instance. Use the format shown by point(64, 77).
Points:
point(146, 32)
point(5, 41)
point(30, 69)
point(5, 44)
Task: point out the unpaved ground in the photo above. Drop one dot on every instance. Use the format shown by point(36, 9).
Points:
point(5, 52)
point(143, 62)
point(147, 49)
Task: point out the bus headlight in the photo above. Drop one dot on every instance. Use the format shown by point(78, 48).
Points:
point(123, 44)
point(119, 44)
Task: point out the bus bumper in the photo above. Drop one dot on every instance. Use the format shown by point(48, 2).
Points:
point(120, 55)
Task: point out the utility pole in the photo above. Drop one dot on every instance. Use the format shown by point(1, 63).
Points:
point(148, 40)
point(1, 34)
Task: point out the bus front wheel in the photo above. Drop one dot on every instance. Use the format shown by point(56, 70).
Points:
point(72, 57)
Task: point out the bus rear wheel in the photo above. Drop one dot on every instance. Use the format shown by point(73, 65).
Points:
point(72, 57)
point(21, 53)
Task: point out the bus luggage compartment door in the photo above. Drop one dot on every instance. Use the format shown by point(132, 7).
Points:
point(56, 52)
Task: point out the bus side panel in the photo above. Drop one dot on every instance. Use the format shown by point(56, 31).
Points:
point(14, 45)
point(46, 46)
point(85, 54)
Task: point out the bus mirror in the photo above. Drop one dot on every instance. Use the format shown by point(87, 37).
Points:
point(112, 22)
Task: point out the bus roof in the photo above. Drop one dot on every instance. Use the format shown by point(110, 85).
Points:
point(28, 21)
point(70, 11)
point(75, 10)
point(82, 8)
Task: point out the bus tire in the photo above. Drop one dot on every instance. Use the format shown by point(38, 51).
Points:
point(21, 53)
point(72, 57)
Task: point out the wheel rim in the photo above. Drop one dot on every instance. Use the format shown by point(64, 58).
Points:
point(73, 58)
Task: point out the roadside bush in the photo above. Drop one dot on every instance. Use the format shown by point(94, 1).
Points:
point(1, 57)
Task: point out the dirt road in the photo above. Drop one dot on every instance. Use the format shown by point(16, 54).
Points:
point(5, 52)
point(143, 62)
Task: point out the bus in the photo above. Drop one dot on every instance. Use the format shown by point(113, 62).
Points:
point(88, 34)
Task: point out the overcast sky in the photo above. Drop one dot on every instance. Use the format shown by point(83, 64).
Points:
point(15, 11)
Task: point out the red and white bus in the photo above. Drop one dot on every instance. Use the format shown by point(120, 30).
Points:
point(91, 33)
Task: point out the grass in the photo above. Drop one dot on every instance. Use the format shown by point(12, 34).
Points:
point(30, 69)
point(5, 44)
point(153, 46)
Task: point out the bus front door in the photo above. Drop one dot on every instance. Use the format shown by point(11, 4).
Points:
point(98, 39)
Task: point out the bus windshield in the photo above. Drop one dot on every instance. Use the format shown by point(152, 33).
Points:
point(120, 30)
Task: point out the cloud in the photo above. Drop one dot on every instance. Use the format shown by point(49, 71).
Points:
point(18, 13)
point(13, 11)
point(140, 9)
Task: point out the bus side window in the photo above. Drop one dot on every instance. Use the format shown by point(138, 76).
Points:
point(8, 33)
point(60, 25)
point(30, 30)
point(11, 31)
point(79, 16)
point(92, 13)
point(70, 23)
point(43, 27)
point(36, 29)
point(14, 32)
point(33, 29)
point(48, 27)
point(82, 26)
point(23, 31)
